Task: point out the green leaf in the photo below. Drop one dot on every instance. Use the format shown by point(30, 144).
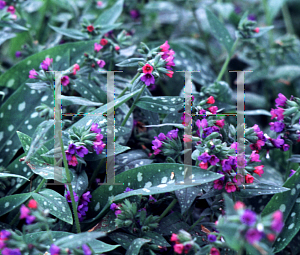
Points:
point(80, 182)
point(98, 246)
point(18, 114)
point(74, 240)
point(8, 203)
point(219, 31)
point(13, 25)
point(289, 203)
point(109, 16)
point(147, 180)
point(4, 175)
point(122, 238)
point(229, 205)
point(186, 197)
point(56, 203)
point(288, 72)
point(130, 62)
point(136, 245)
point(70, 32)
point(258, 189)
point(107, 223)
point(5, 36)
point(118, 150)
point(274, 7)
point(156, 238)
point(70, 100)
point(256, 112)
point(165, 104)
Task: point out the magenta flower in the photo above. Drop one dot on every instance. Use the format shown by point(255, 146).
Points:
point(213, 160)
point(281, 100)
point(68, 196)
point(211, 238)
point(99, 137)
point(81, 151)
point(279, 112)
point(18, 54)
point(54, 250)
point(46, 64)
point(277, 222)
point(117, 212)
point(254, 157)
point(230, 187)
point(95, 128)
point(30, 219)
point(8, 251)
point(99, 146)
point(101, 63)
point(72, 148)
point(201, 123)
point(285, 147)
point(277, 126)
point(248, 217)
point(156, 144)
point(165, 46)
point(213, 109)
point(173, 134)
point(277, 142)
point(86, 250)
point(113, 206)
point(11, 9)
point(218, 184)
point(204, 157)
point(2, 4)
point(226, 167)
point(68, 155)
point(253, 235)
point(4, 234)
point(148, 78)
point(24, 212)
point(161, 137)
point(33, 74)
point(135, 14)
point(292, 173)
point(97, 47)
point(65, 80)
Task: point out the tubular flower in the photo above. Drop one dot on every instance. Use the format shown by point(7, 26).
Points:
point(147, 68)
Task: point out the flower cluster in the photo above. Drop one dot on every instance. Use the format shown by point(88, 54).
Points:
point(183, 242)
point(93, 60)
point(25, 213)
point(98, 144)
point(82, 207)
point(72, 151)
point(163, 139)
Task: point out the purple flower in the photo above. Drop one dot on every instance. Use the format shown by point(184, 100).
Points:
point(237, 9)
point(4, 234)
point(8, 251)
point(18, 54)
point(207, 131)
point(54, 250)
point(148, 78)
point(86, 250)
point(95, 128)
point(24, 212)
point(86, 196)
point(277, 142)
point(285, 147)
point(172, 134)
point(292, 172)
point(277, 126)
point(253, 235)
point(281, 100)
point(46, 64)
point(226, 165)
point(72, 148)
point(161, 137)
point(135, 14)
point(213, 160)
point(248, 217)
point(30, 219)
point(68, 155)
point(201, 123)
point(156, 144)
point(101, 63)
point(211, 238)
point(2, 4)
point(204, 157)
point(252, 17)
point(81, 151)
point(68, 196)
point(98, 146)
point(113, 206)
point(128, 189)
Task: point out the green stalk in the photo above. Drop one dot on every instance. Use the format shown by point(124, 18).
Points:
point(196, 223)
point(70, 186)
point(168, 209)
point(287, 19)
point(124, 90)
point(133, 106)
point(227, 60)
point(268, 19)
point(36, 191)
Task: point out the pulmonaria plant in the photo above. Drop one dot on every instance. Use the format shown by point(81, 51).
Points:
point(251, 232)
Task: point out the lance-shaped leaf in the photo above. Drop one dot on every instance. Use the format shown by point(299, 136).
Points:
point(130, 62)
point(136, 245)
point(8, 203)
point(5, 175)
point(70, 32)
point(109, 16)
point(56, 203)
point(187, 196)
point(165, 104)
point(118, 150)
point(70, 100)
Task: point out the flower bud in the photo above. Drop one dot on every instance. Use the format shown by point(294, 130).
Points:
point(141, 64)
point(291, 103)
point(290, 111)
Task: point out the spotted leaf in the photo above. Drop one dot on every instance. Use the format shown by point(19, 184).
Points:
point(8, 203)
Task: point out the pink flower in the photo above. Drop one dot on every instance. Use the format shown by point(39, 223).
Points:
point(117, 47)
point(178, 248)
point(169, 73)
point(249, 178)
point(11, 9)
point(259, 170)
point(254, 157)
point(210, 100)
point(187, 138)
point(279, 112)
point(220, 123)
point(90, 28)
point(239, 205)
point(65, 80)
point(213, 109)
point(203, 165)
point(218, 184)
point(73, 161)
point(230, 187)
point(95, 128)
point(99, 146)
point(99, 3)
point(201, 123)
point(32, 204)
point(24, 212)
point(46, 64)
point(101, 63)
point(97, 47)
point(214, 251)
point(103, 41)
point(76, 68)
point(174, 238)
point(117, 212)
point(147, 68)
point(281, 100)
point(165, 46)
point(33, 74)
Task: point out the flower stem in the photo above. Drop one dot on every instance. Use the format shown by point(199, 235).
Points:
point(70, 186)
point(124, 90)
point(168, 209)
point(287, 19)
point(195, 224)
point(227, 60)
point(133, 106)
point(36, 191)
